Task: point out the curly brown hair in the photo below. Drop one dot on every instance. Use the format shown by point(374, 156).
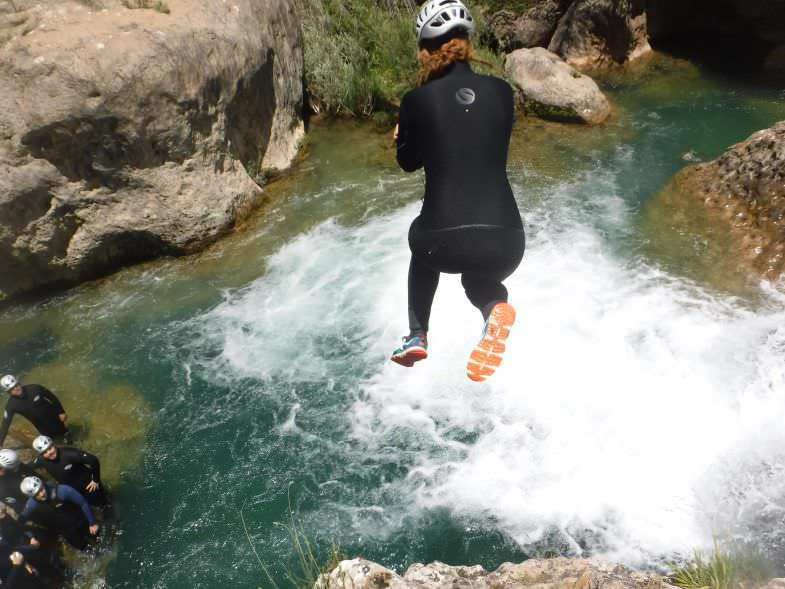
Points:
point(436, 55)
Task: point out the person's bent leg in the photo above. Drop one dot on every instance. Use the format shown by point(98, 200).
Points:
point(502, 252)
point(422, 288)
point(490, 297)
point(483, 291)
point(423, 282)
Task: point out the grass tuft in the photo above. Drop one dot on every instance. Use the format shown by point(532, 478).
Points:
point(734, 567)
point(310, 566)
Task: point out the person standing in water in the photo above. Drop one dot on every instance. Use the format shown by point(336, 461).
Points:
point(38, 404)
point(457, 125)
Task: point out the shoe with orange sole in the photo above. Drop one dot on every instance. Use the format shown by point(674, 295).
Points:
point(487, 354)
point(413, 349)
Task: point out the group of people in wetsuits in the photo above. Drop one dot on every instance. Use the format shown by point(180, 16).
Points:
point(47, 500)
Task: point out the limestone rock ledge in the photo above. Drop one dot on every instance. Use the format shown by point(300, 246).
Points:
point(552, 573)
point(127, 134)
point(746, 187)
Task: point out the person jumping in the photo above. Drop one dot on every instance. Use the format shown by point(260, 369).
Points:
point(457, 125)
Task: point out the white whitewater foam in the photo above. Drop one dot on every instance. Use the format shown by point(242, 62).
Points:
point(627, 402)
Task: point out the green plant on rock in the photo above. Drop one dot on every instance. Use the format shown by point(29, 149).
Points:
point(310, 565)
point(734, 567)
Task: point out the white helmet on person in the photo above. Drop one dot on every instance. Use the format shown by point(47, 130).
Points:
point(42, 443)
point(439, 17)
point(31, 486)
point(8, 382)
point(9, 459)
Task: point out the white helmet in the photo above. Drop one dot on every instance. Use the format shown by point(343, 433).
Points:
point(42, 443)
point(30, 486)
point(9, 459)
point(439, 17)
point(8, 382)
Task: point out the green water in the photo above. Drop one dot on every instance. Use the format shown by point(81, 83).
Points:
point(188, 442)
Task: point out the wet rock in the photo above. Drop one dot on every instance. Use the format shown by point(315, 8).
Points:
point(775, 61)
point(130, 134)
point(596, 33)
point(552, 89)
point(733, 34)
point(746, 187)
point(534, 28)
point(555, 573)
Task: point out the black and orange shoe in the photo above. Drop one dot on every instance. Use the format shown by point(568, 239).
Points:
point(487, 354)
point(414, 349)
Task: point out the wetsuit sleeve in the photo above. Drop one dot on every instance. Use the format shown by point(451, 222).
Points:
point(29, 507)
point(66, 493)
point(52, 400)
point(8, 415)
point(88, 460)
point(408, 154)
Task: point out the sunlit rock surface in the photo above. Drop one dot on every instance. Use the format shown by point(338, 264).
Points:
point(550, 88)
point(746, 187)
point(127, 134)
point(552, 573)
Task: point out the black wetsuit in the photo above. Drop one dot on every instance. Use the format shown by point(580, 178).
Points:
point(64, 512)
point(458, 128)
point(77, 469)
point(40, 407)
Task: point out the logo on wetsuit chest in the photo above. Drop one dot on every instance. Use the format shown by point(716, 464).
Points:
point(465, 96)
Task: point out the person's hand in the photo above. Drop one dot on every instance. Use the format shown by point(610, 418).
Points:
point(92, 487)
point(93, 529)
point(395, 134)
point(34, 542)
point(64, 418)
point(16, 558)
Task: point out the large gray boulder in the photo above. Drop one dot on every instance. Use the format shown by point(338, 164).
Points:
point(595, 33)
point(745, 186)
point(129, 134)
point(550, 88)
point(552, 573)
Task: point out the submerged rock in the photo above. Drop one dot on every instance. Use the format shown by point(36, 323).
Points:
point(552, 89)
point(130, 134)
point(552, 573)
point(746, 187)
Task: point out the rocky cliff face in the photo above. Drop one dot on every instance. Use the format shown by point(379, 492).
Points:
point(585, 33)
point(127, 134)
point(553, 573)
point(745, 186)
point(591, 33)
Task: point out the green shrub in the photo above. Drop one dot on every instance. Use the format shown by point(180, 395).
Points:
point(733, 567)
point(361, 55)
